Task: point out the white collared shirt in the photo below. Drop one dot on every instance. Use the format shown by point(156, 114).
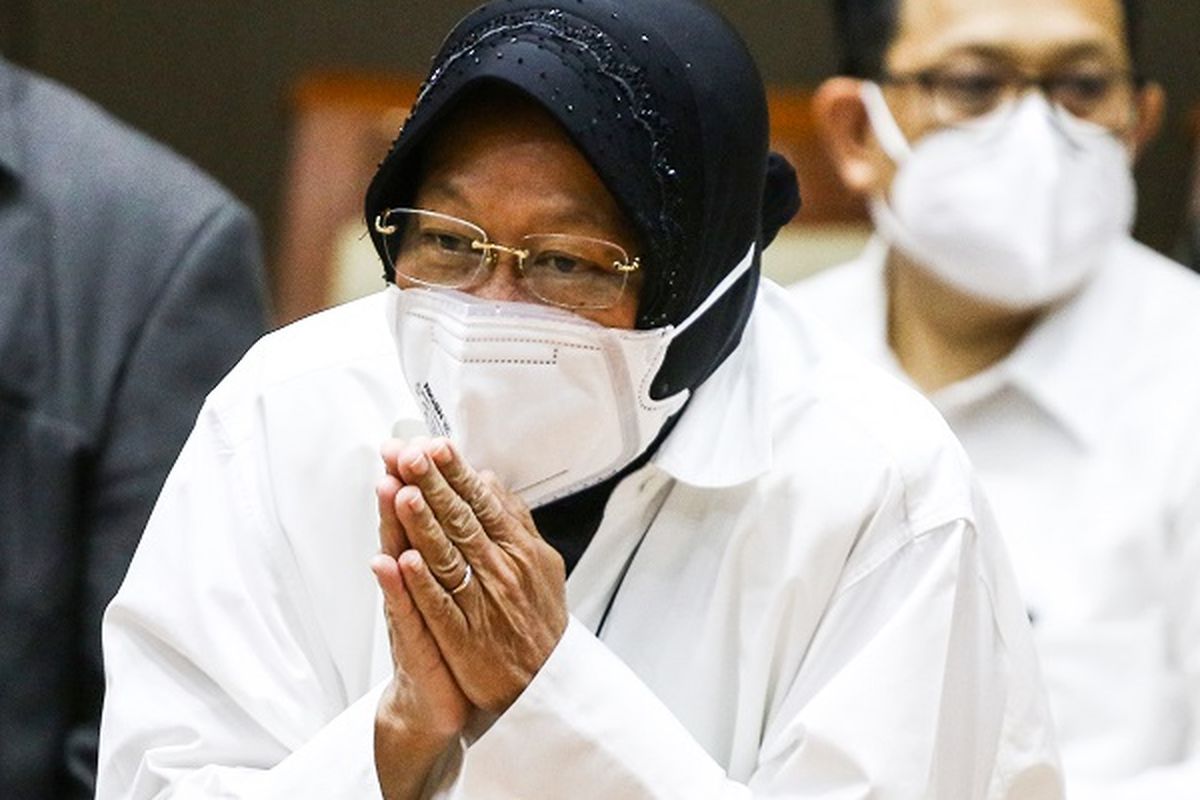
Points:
point(818, 605)
point(1087, 441)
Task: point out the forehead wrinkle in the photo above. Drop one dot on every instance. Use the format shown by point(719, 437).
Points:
point(520, 159)
point(560, 212)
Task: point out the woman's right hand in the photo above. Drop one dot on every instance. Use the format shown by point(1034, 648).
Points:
point(423, 711)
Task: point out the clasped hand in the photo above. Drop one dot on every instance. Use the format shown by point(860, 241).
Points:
point(475, 599)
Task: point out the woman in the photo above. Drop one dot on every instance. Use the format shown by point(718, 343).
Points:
point(781, 582)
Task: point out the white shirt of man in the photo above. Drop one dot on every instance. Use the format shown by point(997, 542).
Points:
point(1087, 441)
point(799, 596)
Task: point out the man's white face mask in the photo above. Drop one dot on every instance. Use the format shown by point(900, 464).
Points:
point(1017, 208)
point(551, 402)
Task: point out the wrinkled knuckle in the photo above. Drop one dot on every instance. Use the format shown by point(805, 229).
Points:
point(515, 549)
point(447, 560)
point(481, 486)
point(492, 515)
point(459, 518)
point(460, 475)
point(436, 493)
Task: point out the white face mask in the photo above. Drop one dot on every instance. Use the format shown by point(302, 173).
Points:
point(1018, 208)
point(549, 401)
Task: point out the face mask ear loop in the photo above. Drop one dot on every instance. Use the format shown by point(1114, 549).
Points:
point(721, 288)
point(887, 131)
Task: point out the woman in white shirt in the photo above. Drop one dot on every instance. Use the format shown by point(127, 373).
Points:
point(781, 580)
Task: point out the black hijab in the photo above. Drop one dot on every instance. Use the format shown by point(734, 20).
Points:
point(664, 100)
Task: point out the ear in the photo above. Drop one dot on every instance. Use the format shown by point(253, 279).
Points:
point(842, 120)
point(1151, 106)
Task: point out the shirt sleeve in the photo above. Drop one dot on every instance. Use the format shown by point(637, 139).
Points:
point(919, 686)
point(219, 683)
point(920, 682)
point(204, 318)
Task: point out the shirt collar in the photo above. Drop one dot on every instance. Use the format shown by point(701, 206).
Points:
point(1061, 364)
point(724, 438)
point(10, 153)
point(1065, 363)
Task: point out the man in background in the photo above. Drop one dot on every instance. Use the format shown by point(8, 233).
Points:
point(994, 141)
point(130, 283)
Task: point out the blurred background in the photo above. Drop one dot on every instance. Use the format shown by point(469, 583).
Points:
point(232, 84)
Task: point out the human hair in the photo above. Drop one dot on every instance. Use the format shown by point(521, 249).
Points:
point(866, 29)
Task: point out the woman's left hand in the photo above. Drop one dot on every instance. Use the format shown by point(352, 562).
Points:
point(490, 589)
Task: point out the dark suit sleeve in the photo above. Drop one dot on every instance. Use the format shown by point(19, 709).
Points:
point(208, 312)
point(1195, 230)
point(1192, 234)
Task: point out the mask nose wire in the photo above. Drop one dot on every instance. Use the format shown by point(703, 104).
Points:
point(1038, 93)
point(1045, 111)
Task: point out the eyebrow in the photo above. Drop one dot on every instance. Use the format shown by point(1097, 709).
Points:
point(442, 190)
point(1074, 52)
point(1085, 50)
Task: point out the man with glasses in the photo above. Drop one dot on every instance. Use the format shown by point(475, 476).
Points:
point(614, 551)
point(993, 141)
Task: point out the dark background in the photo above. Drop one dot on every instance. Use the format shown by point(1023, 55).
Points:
point(211, 77)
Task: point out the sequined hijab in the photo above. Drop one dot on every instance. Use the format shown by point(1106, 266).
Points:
point(664, 100)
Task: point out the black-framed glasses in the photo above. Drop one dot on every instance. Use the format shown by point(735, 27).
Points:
point(960, 95)
point(434, 249)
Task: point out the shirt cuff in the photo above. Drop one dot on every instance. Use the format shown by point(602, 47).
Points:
point(586, 727)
